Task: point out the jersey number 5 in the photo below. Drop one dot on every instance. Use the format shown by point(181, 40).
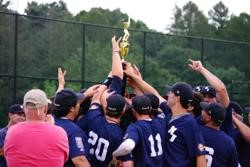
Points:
point(152, 145)
point(101, 143)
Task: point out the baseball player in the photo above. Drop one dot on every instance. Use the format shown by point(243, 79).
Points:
point(145, 138)
point(220, 148)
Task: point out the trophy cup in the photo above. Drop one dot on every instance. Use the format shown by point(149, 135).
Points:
point(124, 44)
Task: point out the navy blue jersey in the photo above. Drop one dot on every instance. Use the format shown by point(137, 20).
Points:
point(243, 149)
point(227, 125)
point(2, 138)
point(104, 137)
point(220, 148)
point(184, 142)
point(78, 145)
point(116, 85)
point(166, 110)
point(149, 136)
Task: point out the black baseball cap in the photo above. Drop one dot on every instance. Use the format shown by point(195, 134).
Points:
point(185, 91)
point(115, 103)
point(16, 108)
point(67, 97)
point(141, 104)
point(208, 90)
point(216, 110)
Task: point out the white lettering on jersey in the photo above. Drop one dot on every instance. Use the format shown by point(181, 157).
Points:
point(171, 132)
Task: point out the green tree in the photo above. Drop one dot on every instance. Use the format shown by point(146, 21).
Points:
point(178, 26)
point(196, 24)
point(55, 10)
point(219, 17)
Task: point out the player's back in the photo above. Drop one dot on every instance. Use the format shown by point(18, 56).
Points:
point(104, 137)
point(149, 149)
point(220, 148)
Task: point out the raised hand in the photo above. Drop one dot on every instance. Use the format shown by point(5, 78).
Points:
point(61, 78)
point(115, 44)
point(91, 90)
point(195, 65)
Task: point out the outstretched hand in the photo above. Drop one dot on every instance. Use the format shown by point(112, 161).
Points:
point(61, 75)
point(91, 90)
point(195, 65)
point(115, 44)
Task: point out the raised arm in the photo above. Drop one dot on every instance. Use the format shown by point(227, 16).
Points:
point(243, 128)
point(116, 59)
point(214, 81)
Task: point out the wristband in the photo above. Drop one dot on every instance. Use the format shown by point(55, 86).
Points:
point(116, 51)
point(107, 81)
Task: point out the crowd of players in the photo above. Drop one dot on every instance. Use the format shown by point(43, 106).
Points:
point(105, 126)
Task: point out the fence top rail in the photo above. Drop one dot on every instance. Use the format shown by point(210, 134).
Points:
point(136, 30)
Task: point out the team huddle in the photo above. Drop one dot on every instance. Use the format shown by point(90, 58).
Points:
point(105, 126)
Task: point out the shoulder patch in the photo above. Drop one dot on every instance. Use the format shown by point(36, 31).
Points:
point(79, 143)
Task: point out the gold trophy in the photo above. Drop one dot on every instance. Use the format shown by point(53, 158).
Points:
point(124, 44)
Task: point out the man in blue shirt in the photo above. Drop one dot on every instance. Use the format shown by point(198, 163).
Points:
point(215, 92)
point(16, 115)
point(102, 121)
point(103, 130)
point(145, 138)
point(184, 143)
point(66, 110)
point(220, 148)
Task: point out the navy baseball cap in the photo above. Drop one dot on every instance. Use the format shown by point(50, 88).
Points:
point(208, 90)
point(66, 98)
point(185, 91)
point(141, 104)
point(115, 103)
point(16, 108)
point(216, 110)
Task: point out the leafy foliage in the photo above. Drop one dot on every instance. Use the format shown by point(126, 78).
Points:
point(84, 50)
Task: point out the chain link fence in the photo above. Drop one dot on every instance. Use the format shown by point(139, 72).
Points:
point(32, 48)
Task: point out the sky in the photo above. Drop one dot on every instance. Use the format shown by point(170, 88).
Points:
point(156, 14)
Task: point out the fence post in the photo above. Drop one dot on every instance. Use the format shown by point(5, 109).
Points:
point(15, 58)
point(83, 57)
point(144, 54)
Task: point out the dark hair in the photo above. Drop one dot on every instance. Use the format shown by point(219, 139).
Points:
point(198, 97)
point(62, 111)
point(113, 114)
point(154, 100)
point(127, 118)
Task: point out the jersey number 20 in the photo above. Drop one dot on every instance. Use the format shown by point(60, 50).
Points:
point(101, 143)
